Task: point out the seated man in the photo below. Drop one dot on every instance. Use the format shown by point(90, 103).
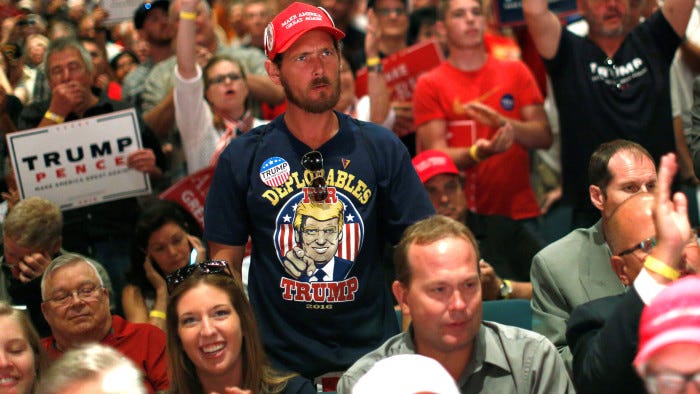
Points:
point(76, 306)
point(503, 242)
point(602, 334)
point(438, 286)
point(576, 269)
point(31, 238)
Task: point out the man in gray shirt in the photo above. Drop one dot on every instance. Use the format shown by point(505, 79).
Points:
point(438, 286)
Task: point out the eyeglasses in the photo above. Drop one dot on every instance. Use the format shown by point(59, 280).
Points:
point(87, 293)
point(219, 267)
point(399, 11)
point(670, 382)
point(313, 161)
point(26, 22)
point(645, 246)
point(223, 77)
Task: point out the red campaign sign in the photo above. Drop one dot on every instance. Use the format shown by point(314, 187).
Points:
point(191, 192)
point(402, 69)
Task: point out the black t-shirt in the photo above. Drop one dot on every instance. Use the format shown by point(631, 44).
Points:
point(600, 99)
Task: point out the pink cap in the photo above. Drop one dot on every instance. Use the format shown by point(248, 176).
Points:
point(433, 162)
point(672, 317)
point(292, 23)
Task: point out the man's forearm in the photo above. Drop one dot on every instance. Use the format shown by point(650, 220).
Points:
point(161, 119)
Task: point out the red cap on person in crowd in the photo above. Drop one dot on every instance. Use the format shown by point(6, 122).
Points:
point(292, 23)
point(672, 317)
point(433, 162)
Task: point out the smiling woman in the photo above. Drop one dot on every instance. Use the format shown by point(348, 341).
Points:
point(22, 357)
point(213, 339)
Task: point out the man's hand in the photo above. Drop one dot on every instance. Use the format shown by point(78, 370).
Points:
point(490, 282)
point(203, 55)
point(68, 97)
point(296, 263)
point(484, 114)
point(143, 160)
point(673, 229)
point(32, 266)
point(154, 278)
point(499, 143)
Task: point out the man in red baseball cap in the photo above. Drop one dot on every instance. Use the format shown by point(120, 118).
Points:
point(315, 319)
point(503, 242)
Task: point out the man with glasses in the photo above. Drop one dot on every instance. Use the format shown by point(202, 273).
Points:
point(273, 182)
point(101, 231)
point(76, 306)
point(576, 268)
point(652, 245)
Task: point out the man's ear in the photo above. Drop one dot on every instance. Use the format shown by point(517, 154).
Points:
point(441, 29)
point(273, 72)
point(620, 267)
point(597, 197)
point(400, 293)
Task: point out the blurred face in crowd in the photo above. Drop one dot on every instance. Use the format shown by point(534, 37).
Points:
point(447, 195)
point(607, 18)
point(75, 305)
point(257, 16)
point(632, 173)
point(125, 64)
point(210, 331)
point(673, 369)
point(392, 18)
point(99, 61)
point(310, 72)
point(340, 10)
point(443, 297)
point(227, 89)
point(67, 66)
point(169, 247)
point(36, 47)
point(17, 360)
point(158, 29)
point(464, 24)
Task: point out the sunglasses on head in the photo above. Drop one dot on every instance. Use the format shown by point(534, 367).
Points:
point(218, 267)
point(313, 161)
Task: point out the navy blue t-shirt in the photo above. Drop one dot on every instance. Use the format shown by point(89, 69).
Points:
point(317, 322)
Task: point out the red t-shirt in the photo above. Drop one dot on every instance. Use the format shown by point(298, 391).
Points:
point(500, 185)
point(143, 343)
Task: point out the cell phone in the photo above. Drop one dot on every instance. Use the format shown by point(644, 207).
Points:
point(193, 256)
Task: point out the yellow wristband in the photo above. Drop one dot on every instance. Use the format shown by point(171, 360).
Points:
point(190, 16)
point(54, 117)
point(157, 314)
point(474, 154)
point(655, 265)
point(373, 61)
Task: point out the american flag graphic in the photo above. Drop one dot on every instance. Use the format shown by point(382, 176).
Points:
point(274, 171)
point(353, 229)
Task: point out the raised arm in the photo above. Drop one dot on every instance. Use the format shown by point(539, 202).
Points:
point(544, 26)
point(677, 13)
point(185, 49)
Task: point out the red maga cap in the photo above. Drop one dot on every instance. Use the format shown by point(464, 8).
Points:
point(292, 23)
point(433, 162)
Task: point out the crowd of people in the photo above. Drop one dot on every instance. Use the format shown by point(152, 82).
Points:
point(535, 159)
